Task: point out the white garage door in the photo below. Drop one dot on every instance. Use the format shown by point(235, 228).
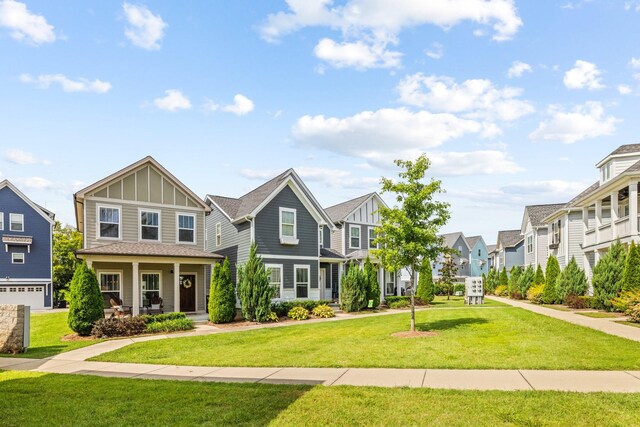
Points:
point(26, 295)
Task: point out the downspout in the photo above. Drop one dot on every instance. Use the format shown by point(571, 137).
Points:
point(253, 228)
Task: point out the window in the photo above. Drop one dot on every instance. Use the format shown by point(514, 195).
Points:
point(110, 287)
point(354, 236)
point(1, 221)
point(555, 229)
point(302, 281)
point(275, 278)
point(623, 210)
point(109, 222)
point(186, 228)
point(390, 284)
point(321, 237)
point(149, 225)
point(529, 244)
point(288, 229)
point(17, 258)
point(16, 222)
point(479, 252)
point(218, 234)
point(150, 288)
point(372, 237)
point(606, 172)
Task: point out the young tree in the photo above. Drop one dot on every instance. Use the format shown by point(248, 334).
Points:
point(607, 275)
point(572, 281)
point(631, 274)
point(503, 280)
point(525, 280)
point(538, 279)
point(552, 272)
point(426, 289)
point(66, 241)
point(514, 277)
point(222, 296)
point(448, 272)
point(409, 232)
point(86, 304)
point(372, 284)
point(254, 290)
point(353, 291)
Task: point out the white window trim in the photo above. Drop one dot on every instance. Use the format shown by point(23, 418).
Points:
point(13, 258)
point(119, 208)
point(530, 237)
point(11, 221)
point(288, 240)
point(218, 234)
point(99, 273)
point(351, 227)
point(295, 279)
point(159, 273)
point(159, 239)
point(281, 267)
point(1, 221)
point(321, 236)
point(372, 230)
point(195, 228)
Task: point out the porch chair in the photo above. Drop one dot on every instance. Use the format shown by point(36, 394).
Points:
point(155, 305)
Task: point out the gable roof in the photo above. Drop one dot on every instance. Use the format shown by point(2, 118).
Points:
point(238, 209)
point(491, 248)
point(471, 241)
point(342, 210)
point(509, 238)
point(45, 213)
point(449, 239)
point(621, 151)
point(537, 214)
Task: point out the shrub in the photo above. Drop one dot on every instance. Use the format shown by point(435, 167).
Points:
point(608, 274)
point(631, 273)
point(576, 301)
point(281, 308)
point(171, 325)
point(458, 287)
point(525, 280)
point(571, 281)
point(323, 311)
point(534, 294)
point(552, 272)
point(538, 279)
point(634, 313)
point(490, 282)
point(514, 276)
point(372, 286)
point(353, 295)
point(503, 279)
point(298, 313)
point(153, 318)
point(254, 289)
point(501, 291)
point(626, 300)
point(399, 304)
point(426, 289)
point(222, 296)
point(86, 305)
point(391, 299)
point(273, 317)
point(118, 327)
point(441, 288)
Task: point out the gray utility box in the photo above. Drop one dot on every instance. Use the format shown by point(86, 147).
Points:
point(473, 291)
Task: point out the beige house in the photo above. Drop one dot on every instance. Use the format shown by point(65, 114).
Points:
point(144, 235)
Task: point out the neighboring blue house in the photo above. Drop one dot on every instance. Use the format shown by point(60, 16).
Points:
point(26, 230)
point(292, 233)
point(457, 242)
point(478, 256)
point(509, 249)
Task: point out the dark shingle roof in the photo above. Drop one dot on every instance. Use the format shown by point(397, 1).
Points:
point(330, 253)
point(491, 248)
point(593, 187)
point(626, 149)
point(149, 249)
point(537, 213)
point(338, 212)
point(471, 241)
point(509, 238)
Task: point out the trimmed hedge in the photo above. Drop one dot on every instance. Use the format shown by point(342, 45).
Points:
point(399, 304)
point(282, 308)
point(171, 325)
point(392, 299)
point(118, 327)
point(153, 318)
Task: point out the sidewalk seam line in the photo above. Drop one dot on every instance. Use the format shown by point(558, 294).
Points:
point(273, 373)
point(629, 373)
point(424, 378)
point(526, 380)
point(341, 375)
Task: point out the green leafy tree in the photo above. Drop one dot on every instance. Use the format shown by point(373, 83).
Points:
point(631, 273)
point(66, 241)
point(538, 279)
point(353, 289)
point(254, 290)
point(504, 278)
point(222, 297)
point(426, 288)
point(448, 272)
point(608, 274)
point(552, 272)
point(525, 280)
point(409, 230)
point(514, 277)
point(86, 305)
point(372, 284)
point(572, 281)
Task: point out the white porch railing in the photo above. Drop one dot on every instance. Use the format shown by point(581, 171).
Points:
point(623, 227)
point(606, 233)
point(590, 237)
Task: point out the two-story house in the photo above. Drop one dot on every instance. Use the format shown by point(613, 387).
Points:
point(509, 249)
point(143, 234)
point(478, 256)
point(458, 242)
point(536, 233)
point(26, 230)
point(292, 233)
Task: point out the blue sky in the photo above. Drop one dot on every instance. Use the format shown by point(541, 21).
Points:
point(514, 101)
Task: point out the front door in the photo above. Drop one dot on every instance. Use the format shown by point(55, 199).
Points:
point(187, 292)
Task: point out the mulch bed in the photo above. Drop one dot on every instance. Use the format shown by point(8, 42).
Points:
point(416, 334)
point(76, 337)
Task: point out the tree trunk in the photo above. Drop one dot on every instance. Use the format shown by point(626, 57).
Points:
point(413, 305)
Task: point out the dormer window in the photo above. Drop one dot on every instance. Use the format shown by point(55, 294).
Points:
point(606, 172)
point(288, 227)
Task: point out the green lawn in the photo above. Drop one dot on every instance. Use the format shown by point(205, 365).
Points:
point(598, 314)
point(48, 399)
point(637, 325)
point(443, 302)
point(468, 338)
point(46, 331)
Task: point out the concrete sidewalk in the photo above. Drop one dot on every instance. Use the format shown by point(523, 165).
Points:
point(455, 379)
point(603, 325)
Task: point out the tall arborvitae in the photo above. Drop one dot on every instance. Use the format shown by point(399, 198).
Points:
point(538, 279)
point(504, 278)
point(572, 281)
point(631, 274)
point(514, 277)
point(254, 290)
point(552, 272)
point(426, 288)
point(607, 275)
point(353, 292)
point(525, 280)
point(222, 296)
point(372, 284)
point(86, 304)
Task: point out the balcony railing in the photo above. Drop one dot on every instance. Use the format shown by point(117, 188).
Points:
point(590, 237)
point(623, 227)
point(606, 233)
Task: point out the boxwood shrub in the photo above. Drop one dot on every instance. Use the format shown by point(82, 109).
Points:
point(170, 325)
point(393, 299)
point(282, 308)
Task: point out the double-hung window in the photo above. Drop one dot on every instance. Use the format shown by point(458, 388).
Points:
point(288, 227)
point(218, 234)
point(110, 287)
point(529, 244)
point(1, 221)
point(149, 225)
point(275, 278)
point(390, 285)
point(302, 281)
point(320, 237)
point(186, 228)
point(109, 222)
point(150, 288)
point(16, 222)
point(555, 228)
point(354, 237)
point(623, 210)
point(372, 238)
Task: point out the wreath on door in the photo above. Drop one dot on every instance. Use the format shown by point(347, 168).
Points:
point(186, 283)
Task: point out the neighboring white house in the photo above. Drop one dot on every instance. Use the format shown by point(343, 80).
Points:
point(536, 234)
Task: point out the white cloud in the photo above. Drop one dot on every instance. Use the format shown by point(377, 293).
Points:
point(20, 157)
point(522, 192)
point(632, 5)
point(334, 178)
point(583, 75)
point(241, 105)
point(24, 24)
point(481, 162)
point(35, 183)
point(173, 100)
point(586, 120)
point(518, 68)
point(145, 30)
point(476, 98)
point(43, 81)
point(624, 89)
point(359, 55)
point(436, 51)
point(635, 63)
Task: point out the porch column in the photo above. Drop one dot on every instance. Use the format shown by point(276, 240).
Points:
point(614, 214)
point(135, 302)
point(340, 267)
point(633, 207)
point(585, 224)
point(89, 263)
point(598, 219)
point(176, 287)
